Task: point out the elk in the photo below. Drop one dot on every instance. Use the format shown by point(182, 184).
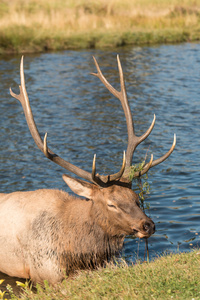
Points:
point(46, 234)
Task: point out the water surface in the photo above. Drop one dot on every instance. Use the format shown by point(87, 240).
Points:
point(82, 118)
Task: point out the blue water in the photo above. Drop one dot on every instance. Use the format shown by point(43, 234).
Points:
point(82, 118)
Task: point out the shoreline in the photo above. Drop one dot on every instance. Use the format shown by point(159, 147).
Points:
point(100, 41)
point(40, 26)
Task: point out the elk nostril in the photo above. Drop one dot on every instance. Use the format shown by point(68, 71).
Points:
point(149, 227)
point(146, 226)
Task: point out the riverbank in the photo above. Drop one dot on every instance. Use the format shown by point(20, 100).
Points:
point(39, 26)
point(169, 277)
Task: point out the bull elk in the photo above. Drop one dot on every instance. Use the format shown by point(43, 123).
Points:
point(45, 234)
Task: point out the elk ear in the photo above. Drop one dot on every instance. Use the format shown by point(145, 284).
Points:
point(79, 187)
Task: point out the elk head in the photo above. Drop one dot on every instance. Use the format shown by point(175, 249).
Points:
point(120, 205)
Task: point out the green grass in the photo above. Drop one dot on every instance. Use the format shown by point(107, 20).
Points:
point(168, 277)
point(38, 26)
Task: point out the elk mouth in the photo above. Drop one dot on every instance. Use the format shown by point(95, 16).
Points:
point(148, 228)
point(141, 235)
point(134, 232)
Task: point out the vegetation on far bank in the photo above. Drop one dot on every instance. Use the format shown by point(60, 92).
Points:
point(175, 276)
point(42, 25)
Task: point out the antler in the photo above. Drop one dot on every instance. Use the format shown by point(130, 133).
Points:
point(133, 140)
point(42, 145)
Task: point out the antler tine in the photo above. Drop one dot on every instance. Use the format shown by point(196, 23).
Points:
point(104, 80)
point(45, 148)
point(166, 155)
point(23, 98)
point(156, 161)
point(94, 169)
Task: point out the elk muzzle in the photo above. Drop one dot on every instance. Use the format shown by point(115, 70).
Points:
point(145, 230)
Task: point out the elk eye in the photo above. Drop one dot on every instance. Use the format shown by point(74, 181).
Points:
point(113, 206)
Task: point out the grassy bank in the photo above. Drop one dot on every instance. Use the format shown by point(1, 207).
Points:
point(41, 25)
point(169, 277)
